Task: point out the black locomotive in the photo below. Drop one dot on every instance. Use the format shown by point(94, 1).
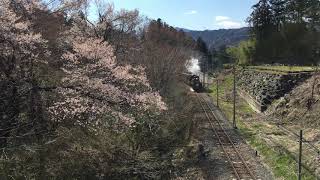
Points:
point(194, 82)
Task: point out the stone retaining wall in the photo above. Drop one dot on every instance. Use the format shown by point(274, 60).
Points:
point(254, 104)
point(260, 88)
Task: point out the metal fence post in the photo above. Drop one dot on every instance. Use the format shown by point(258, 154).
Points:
point(217, 92)
point(300, 156)
point(234, 97)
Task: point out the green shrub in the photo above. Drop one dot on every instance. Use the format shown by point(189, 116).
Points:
point(243, 52)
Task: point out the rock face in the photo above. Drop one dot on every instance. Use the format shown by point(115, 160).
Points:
point(265, 87)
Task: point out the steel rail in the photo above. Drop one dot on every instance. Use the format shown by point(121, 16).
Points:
point(224, 133)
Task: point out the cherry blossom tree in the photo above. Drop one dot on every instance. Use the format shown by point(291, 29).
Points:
point(95, 85)
point(94, 90)
point(121, 29)
point(22, 57)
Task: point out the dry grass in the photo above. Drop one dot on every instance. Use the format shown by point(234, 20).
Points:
point(283, 68)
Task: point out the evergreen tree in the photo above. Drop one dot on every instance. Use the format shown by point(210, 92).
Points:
point(261, 19)
point(313, 13)
point(278, 9)
point(223, 56)
point(297, 10)
point(201, 46)
point(286, 31)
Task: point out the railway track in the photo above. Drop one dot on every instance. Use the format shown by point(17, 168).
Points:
point(240, 167)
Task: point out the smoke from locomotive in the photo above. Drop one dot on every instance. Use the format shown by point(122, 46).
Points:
point(193, 78)
point(193, 66)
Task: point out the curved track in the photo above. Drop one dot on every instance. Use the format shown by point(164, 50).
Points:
point(235, 159)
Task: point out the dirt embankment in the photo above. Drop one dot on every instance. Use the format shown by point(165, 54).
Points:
point(301, 106)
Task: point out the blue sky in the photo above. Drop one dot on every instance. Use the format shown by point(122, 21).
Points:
point(193, 14)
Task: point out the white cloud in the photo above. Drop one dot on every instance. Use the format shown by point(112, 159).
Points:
point(227, 23)
point(191, 12)
point(230, 24)
point(222, 18)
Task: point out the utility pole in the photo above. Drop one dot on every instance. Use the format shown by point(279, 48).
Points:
point(217, 92)
point(204, 76)
point(204, 80)
point(234, 97)
point(300, 156)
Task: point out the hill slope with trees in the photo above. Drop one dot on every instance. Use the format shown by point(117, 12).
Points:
point(222, 37)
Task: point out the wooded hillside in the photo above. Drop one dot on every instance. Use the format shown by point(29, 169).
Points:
point(283, 32)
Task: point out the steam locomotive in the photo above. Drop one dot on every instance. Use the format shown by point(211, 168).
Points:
point(194, 82)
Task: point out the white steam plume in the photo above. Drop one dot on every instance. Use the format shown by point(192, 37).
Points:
point(193, 66)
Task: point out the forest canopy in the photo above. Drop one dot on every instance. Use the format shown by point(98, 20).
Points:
point(283, 32)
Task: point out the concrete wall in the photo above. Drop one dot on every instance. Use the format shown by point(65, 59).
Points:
point(261, 88)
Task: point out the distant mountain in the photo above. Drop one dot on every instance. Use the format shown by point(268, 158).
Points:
point(183, 29)
point(218, 38)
